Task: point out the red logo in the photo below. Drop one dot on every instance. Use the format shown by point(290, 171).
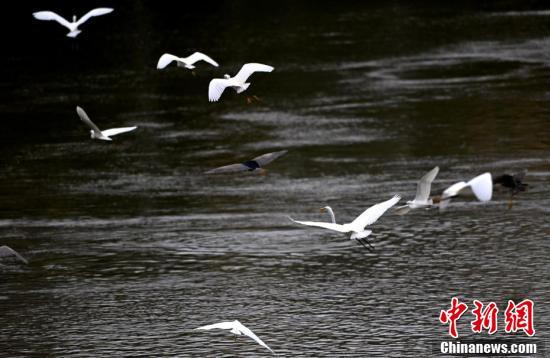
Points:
point(520, 316)
point(516, 317)
point(485, 318)
point(452, 315)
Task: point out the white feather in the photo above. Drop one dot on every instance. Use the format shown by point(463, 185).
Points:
point(95, 12)
point(114, 131)
point(50, 15)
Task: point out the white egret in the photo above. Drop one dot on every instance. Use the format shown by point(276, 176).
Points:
point(95, 132)
point(481, 186)
point(357, 226)
point(239, 329)
point(6, 251)
point(250, 165)
point(422, 198)
point(238, 82)
point(187, 62)
point(72, 26)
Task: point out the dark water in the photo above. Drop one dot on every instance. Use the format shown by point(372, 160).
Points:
point(131, 247)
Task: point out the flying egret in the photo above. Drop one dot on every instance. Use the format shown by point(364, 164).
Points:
point(238, 82)
point(239, 329)
point(6, 251)
point(99, 134)
point(250, 165)
point(422, 198)
point(357, 226)
point(72, 26)
point(481, 186)
point(186, 62)
point(513, 183)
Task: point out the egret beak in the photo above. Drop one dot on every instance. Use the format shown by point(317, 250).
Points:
point(322, 210)
point(262, 171)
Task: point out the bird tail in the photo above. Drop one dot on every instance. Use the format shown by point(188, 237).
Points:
point(73, 34)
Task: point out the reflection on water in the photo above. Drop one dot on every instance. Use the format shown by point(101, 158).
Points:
point(131, 246)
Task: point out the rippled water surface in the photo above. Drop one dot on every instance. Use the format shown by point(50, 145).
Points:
point(131, 246)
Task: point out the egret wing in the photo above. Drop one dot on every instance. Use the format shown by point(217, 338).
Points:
point(330, 226)
point(221, 325)
point(424, 185)
point(403, 209)
point(199, 56)
point(6, 251)
point(482, 186)
point(249, 333)
point(95, 12)
point(373, 213)
point(50, 15)
point(114, 131)
point(216, 88)
point(249, 68)
point(269, 157)
point(165, 60)
point(84, 117)
point(453, 190)
point(231, 168)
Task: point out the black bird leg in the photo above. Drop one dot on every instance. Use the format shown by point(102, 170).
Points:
point(365, 246)
point(368, 243)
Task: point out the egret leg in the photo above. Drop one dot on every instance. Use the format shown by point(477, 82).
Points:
point(362, 243)
point(368, 243)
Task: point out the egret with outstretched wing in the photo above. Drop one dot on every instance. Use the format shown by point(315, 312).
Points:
point(238, 82)
point(357, 226)
point(422, 198)
point(72, 26)
point(95, 132)
point(187, 62)
point(481, 186)
point(237, 328)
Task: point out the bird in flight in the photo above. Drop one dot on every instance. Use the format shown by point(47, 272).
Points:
point(239, 329)
point(72, 26)
point(357, 226)
point(250, 165)
point(6, 251)
point(238, 82)
point(422, 198)
point(481, 186)
point(187, 62)
point(513, 183)
point(95, 132)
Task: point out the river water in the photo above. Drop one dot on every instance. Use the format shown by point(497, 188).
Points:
point(131, 246)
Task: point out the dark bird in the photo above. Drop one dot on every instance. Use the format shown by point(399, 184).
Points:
point(250, 165)
point(6, 251)
point(513, 183)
